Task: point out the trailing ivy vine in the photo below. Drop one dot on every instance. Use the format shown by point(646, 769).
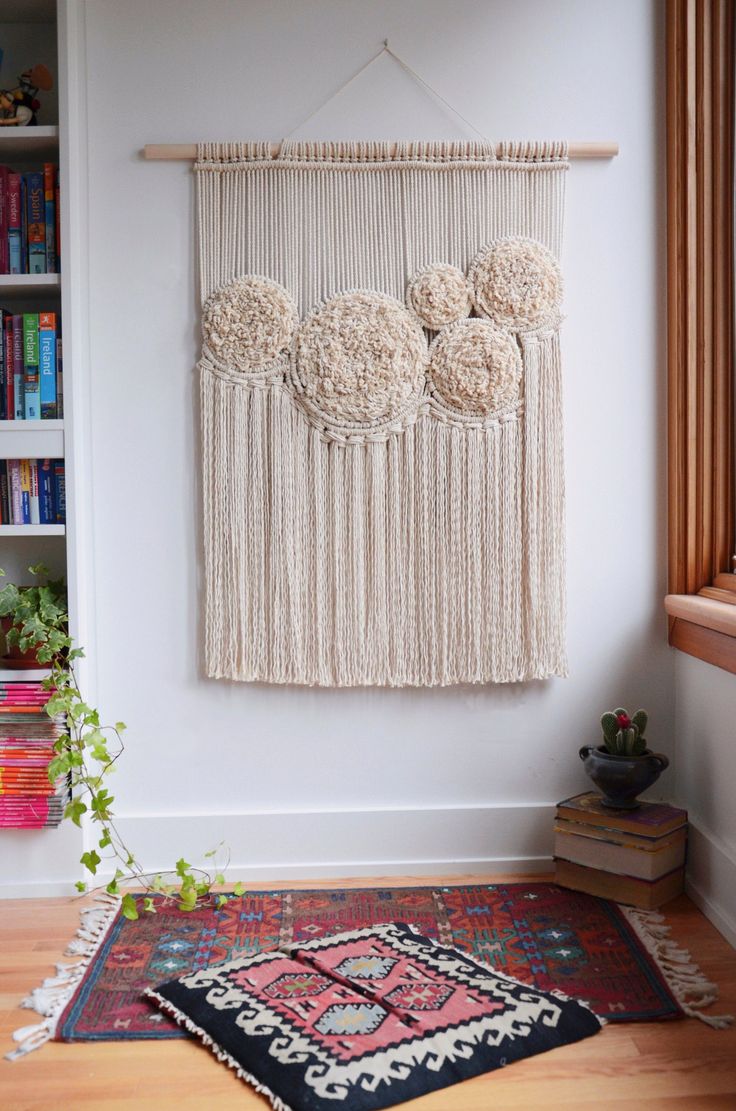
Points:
point(87, 752)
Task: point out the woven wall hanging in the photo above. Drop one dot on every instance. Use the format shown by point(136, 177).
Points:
point(381, 412)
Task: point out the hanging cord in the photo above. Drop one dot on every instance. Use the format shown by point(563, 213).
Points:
point(386, 49)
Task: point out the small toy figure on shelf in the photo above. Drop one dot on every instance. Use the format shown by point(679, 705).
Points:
point(18, 106)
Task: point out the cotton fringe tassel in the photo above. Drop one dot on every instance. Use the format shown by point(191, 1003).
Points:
point(688, 984)
point(426, 558)
point(52, 997)
point(222, 1055)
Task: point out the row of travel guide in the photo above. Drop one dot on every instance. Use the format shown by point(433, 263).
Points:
point(32, 492)
point(29, 221)
point(27, 738)
point(31, 366)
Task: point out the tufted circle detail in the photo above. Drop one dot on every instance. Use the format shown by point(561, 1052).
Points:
point(359, 359)
point(439, 294)
point(249, 322)
point(475, 368)
point(517, 283)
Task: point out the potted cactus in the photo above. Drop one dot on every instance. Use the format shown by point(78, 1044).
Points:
point(622, 767)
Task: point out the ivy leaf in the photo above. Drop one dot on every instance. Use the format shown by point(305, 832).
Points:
point(120, 726)
point(74, 810)
point(90, 860)
point(148, 905)
point(188, 898)
point(219, 878)
point(105, 840)
point(221, 900)
point(81, 886)
point(128, 907)
point(239, 889)
point(182, 868)
point(113, 888)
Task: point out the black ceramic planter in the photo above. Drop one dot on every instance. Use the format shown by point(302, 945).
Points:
point(621, 778)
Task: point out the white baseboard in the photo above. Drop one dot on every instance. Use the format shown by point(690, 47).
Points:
point(309, 844)
point(711, 880)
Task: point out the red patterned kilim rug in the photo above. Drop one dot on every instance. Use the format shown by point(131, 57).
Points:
point(620, 961)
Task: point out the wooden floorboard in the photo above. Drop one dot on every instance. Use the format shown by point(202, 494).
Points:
point(682, 1065)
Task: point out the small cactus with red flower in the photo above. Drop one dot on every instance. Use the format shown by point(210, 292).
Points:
point(624, 735)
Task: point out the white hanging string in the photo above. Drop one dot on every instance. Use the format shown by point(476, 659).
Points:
point(386, 49)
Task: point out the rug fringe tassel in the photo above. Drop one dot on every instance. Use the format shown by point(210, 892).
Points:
point(51, 998)
point(222, 1055)
point(690, 987)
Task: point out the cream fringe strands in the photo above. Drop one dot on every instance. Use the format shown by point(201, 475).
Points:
point(381, 412)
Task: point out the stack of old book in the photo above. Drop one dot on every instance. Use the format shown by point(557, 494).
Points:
point(27, 738)
point(630, 856)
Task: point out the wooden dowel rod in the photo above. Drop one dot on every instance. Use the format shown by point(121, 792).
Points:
point(187, 152)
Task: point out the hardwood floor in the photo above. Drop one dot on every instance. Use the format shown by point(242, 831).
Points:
point(683, 1064)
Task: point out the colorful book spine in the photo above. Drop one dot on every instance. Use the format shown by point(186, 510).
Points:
point(47, 363)
point(57, 220)
point(33, 496)
point(18, 381)
point(46, 505)
point(8, 360)
point(15, 225)
point(25, 491)
point(4, 494)
point(32, 395)
point(4, 413)
point(59, 491)
point(59, 378)
point(16, 497)
point(36, 223)
point(23, 224)
point(49, 196)
point(4, 197)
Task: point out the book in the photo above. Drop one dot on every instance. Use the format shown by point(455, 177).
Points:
point(4, 200)
point(57, 218)
point(619, 836)
point(8, 360)
point(49, 194)
point(31, 382)
point(16, 507)
point(5, 517)
point(46, 504)
point(59, 377)
point(33, 498)
point(15, 225)
point(25, 492)
point(35, 222)
point(47, 363)
point(3, 382)
point(647, 894)
point(18, 380)
point(23, 224)
point(59, 491)
point(652, 819)
point(648, 863)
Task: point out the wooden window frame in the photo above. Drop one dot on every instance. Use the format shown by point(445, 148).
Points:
point(700, 329)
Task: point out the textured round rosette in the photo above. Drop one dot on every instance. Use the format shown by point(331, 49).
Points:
point(517, 283)
point(249, 323)
point(439, 294)
point(475, 369)
point(359, 360)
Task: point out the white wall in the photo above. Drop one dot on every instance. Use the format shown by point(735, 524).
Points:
point(318, 781)
point(705, 731)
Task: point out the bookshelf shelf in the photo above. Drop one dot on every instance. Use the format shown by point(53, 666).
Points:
point(28, 142)
point(31, 439)
point(22, 286)
point(32, 530)
point(30, 675)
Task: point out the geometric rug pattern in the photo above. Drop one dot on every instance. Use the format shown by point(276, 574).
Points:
point(544, 935)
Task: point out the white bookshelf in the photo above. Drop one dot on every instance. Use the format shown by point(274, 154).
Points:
point(32, 530)
point(31, 439)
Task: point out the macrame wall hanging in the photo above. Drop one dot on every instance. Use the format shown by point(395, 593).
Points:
point(381, 412)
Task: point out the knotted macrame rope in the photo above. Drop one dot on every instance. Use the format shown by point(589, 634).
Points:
point(383, 489)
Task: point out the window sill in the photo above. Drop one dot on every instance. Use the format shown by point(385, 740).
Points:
point(703, 627)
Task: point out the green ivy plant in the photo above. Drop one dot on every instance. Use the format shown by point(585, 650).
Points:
point(87, 752)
